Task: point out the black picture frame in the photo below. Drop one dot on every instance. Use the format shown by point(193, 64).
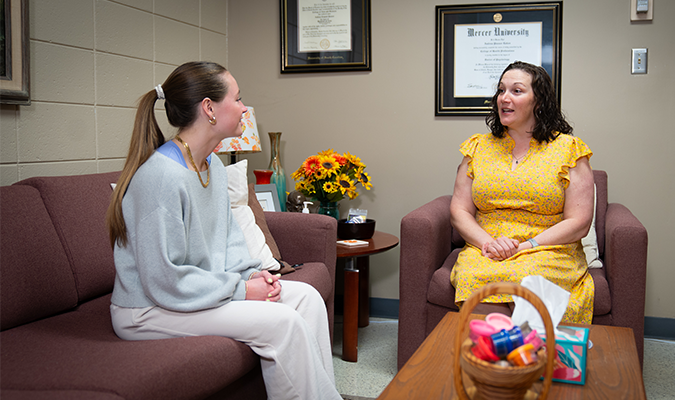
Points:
point(15, 69)
point(544, 16)
point(358, 58)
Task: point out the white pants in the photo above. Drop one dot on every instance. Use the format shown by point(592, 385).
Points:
point(291, 336)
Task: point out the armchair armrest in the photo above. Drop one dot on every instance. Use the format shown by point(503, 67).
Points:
point(426, 241)
point(626, 269)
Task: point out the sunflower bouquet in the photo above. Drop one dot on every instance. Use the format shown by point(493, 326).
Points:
point(329, 176)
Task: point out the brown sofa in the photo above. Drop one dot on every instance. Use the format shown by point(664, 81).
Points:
point(56, 278)
point(429, 248)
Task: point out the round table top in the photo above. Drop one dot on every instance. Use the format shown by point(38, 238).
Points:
point(379, 243)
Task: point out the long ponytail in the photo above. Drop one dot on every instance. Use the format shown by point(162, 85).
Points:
point(145, 138)
point(184, 89)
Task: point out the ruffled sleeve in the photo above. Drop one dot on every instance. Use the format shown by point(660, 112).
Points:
point(468, 148)
point(575, 149)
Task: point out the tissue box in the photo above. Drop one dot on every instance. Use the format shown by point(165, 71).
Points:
point(571, 344)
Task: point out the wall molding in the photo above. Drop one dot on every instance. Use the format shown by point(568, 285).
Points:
point(660, 328)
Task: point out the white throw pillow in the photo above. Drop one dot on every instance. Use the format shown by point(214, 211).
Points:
point(590, 242)
point(237, 188)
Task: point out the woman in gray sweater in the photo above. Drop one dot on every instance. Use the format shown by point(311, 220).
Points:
point(183, 268)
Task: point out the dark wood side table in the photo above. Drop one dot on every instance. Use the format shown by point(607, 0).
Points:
point(356, 302)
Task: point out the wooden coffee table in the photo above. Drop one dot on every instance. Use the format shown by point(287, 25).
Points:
point(612, 370)
point(356, 306)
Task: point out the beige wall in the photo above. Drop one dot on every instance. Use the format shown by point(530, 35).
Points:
point(91, 60)
point(386, 116)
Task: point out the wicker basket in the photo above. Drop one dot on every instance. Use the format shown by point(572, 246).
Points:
point(500, 383)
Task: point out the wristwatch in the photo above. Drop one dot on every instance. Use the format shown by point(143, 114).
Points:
point(533, 243)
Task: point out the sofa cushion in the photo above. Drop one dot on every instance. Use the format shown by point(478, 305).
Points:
point(79, 350)
point(35, 278)
point(77, 206)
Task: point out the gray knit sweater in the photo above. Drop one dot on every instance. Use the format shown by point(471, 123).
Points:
point(185, 251)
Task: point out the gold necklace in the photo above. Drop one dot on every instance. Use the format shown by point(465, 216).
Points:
point(208, 172)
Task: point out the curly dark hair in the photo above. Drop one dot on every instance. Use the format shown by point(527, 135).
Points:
point(547, 114)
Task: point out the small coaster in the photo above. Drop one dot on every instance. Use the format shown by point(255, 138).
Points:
point(352, 242)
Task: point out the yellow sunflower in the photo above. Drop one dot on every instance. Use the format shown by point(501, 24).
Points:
point(330, 187)
point(352, 193)
point(327, 153)
point(305, 186)
point(329, 164)
point(363, 178)
point(354, 160)
point(319, 174)
point(345, 183)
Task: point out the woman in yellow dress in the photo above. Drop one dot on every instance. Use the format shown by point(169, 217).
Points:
point(523, 197)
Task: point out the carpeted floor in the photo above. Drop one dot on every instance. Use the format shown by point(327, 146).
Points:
point(376, 367)
point(658, 371)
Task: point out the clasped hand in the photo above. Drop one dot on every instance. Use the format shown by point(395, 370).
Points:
point(501, 248)
point(264, 287)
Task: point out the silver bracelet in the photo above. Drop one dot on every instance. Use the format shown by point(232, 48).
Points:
point(533, 243)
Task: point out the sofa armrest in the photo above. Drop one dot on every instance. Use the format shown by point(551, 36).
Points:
point(626, 268)
point(426, 235)
point(304, 237)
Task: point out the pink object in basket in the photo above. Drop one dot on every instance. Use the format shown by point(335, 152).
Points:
point(534, 340)
point(499, 321)
point(478, 328)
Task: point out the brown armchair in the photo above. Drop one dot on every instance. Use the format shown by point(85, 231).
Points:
point(429, 248)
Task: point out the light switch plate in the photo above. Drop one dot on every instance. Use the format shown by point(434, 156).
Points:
point(639, 61)
point(642, 16)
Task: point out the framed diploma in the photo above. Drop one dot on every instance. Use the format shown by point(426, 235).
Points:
point(325, 36)
point(474, 43)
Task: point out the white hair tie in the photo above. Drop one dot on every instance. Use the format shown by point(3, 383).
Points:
point(160, 92)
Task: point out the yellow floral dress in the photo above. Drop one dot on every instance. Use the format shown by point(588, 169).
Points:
point(520, 204)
